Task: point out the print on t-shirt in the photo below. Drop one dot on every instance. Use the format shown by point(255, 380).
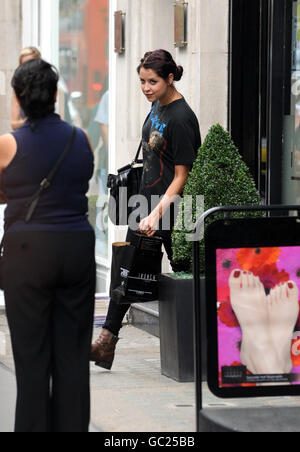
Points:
point(153, 167)
point(157, 123)
point(153, 152)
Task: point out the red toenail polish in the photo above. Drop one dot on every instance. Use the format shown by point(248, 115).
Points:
point(237, 274)
point(290, 285)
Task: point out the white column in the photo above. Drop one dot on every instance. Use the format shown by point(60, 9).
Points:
point(112, 109)
point(41, 27)
point(30, 23)
point(49, 30)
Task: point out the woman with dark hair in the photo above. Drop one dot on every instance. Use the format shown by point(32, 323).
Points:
point(49, 265)
point(171, 139)
point(17, 118)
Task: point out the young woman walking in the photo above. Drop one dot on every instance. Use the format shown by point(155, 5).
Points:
point(171, 139)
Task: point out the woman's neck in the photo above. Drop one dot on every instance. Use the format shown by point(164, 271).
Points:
point(170, 97)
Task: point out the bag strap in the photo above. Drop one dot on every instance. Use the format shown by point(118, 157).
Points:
point(33, 201)
point(141, 143)
point(137, 154)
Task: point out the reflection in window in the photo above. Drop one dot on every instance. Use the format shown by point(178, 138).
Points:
point(83, 92)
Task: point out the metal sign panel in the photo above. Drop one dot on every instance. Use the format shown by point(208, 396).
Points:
point(119, 32)
point(180, 14)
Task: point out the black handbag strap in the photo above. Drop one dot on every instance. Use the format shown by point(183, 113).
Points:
point(141, 143)
point(137, 154)
point(136, 159)
point(33, 201)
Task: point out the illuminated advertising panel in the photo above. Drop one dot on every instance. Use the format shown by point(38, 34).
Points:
point(258, 322)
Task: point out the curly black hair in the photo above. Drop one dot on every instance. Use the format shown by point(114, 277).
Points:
point(35, 85)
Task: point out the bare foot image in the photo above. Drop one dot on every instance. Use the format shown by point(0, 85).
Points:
point(250, 304)
point(283, 311)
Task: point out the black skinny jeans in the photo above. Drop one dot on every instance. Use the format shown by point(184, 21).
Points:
point(116, 312)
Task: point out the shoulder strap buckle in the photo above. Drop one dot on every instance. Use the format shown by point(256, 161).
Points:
point(45, 183)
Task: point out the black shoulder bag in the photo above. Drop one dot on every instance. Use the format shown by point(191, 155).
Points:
point(31, 204)
point(122, 187)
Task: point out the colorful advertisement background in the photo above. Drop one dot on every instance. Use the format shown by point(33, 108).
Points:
point(273, 266)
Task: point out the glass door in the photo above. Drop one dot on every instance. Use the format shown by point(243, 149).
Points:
point(83, 98)
point(264, 107)
point(291, 135)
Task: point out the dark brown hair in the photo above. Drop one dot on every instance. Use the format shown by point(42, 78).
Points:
point(162, 62)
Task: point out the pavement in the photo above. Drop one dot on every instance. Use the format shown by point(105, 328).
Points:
point(133, 396)
point(7, 397)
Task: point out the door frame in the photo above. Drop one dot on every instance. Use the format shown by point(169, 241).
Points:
point(259, 81)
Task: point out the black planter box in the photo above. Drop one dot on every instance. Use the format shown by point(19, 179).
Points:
point(176, 325)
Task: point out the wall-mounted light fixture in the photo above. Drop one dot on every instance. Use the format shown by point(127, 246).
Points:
point(120, 32)
point(180, 23)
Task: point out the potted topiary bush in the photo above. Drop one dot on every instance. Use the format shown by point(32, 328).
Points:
point(220, 175)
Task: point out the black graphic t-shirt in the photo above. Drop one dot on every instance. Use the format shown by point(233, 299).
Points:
point(171, 136)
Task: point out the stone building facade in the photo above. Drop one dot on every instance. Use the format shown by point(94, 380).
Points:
point(11, 43)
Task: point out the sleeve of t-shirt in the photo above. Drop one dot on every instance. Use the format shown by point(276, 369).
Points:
point(102, 113)
point(183, 142)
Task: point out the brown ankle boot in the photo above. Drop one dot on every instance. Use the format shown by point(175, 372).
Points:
point(103, 350)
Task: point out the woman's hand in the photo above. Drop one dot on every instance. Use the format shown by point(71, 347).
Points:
point(149, 225)
point(15, 117)
point(8, 150)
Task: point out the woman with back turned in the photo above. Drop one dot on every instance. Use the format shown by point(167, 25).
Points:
point(49, 265)
point(171, 139)
point(17, 117)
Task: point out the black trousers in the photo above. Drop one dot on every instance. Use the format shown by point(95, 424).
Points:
point(116, 312)
point(49, 287)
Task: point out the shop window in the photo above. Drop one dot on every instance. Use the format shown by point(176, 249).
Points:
point(83, 93)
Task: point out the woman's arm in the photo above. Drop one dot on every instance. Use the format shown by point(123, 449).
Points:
point(8, 149)
point(149, 225)
point(15, 117)
point(89, 141)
